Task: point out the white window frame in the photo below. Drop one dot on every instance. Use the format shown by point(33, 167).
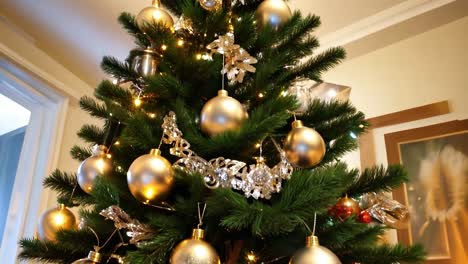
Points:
point(36, 91)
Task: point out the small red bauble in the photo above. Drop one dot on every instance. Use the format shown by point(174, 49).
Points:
point(344, 208)
point(364, 217)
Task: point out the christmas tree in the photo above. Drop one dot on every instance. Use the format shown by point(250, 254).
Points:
point(205, 156)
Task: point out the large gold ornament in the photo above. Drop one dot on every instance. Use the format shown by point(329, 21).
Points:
point(313, 253)
point(53, 220)
point(154, 14)
point(93, 257)
point(194, 251)
point(150, 177)
point(304, 147)
point(273, 13)
point(92, 167)
point(222, 113)
point(211, 5)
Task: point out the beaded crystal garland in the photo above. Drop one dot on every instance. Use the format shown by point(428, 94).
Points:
point(256, 180)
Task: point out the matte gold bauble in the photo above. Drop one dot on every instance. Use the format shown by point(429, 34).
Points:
point(150, 177)
point(93, 257)
point(304, 147)
point(194, 251)
point(53, 220)
point(211, 5)
point(313, 253)
point(154, 14)
point(273, 13)
point(92, 167)
point(222, 113)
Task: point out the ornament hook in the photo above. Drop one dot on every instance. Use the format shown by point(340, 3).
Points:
point(201, 214)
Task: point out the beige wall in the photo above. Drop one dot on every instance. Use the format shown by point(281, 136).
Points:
point(61, 80)
point(424, 69)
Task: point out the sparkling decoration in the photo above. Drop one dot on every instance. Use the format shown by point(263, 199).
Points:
point(146, 64)
point(184, 25)
point(385, 210)
point(211, 5)
point(304, 147)
point(222, 172)
point(273, 13)
point(93, 257)
point(92, 167)
point(154, 14)
point(194, 250)
point(314, 253)
point(150, 177)
point(222, 113)
point(344, 208)
point(54, 220)
point(364, 217)
point(135, 230)
point(237, 60)
point(307, 90)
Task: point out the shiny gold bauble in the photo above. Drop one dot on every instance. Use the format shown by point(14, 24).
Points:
point(304, 147)
point(211, 5)
point(93, 257)
point(273, 13)
point(347, 202)
point(92, 167)
point(53, 220)
point(313, 253)
point(222, 113)
point(150, 177)
point(194, 251)
point(154, 14)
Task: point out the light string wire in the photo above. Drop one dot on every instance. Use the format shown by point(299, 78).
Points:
point(98, 247)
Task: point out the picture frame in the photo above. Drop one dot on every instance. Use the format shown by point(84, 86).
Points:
point(436, 158)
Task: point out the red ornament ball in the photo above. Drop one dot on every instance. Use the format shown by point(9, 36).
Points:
point(364, 217)
point(344, 208)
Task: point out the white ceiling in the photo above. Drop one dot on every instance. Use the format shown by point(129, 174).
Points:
point(79, 33)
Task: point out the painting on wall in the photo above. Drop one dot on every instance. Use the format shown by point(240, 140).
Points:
point(436, 159)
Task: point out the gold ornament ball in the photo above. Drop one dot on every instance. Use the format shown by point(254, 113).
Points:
point(313, 253)
point(154, 14)
point(222, 113)
point(211, 5)
point(350, 203)
point(194, 251)
point(53, 220)
point(303, 146)
point(150, 177)
point(92, 167)
point(93, 257)
point(273, 13)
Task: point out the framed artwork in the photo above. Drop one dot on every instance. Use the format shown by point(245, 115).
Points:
point(436, 158)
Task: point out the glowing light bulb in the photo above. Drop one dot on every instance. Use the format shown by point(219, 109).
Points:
point(152, 115)
point(137, 102)
point(164, 47)
point(284, 93)
point(117, 143)
point(115, 81)
point(251, 257)
point(261, 95)
point(198, 56)
point(257, 145)
point(109, 156)
point(180, 42)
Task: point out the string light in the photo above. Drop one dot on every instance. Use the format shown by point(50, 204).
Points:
point(164, 47)
point(152, 115)
point(198, 56)
point(261, 95)
point(109, 156)
point(115, 81)
point(361, 126)
point(137, 102)
point(180, 42)
point(117, 143)
point(258, 145)
point(284, 93)
point(251, 257)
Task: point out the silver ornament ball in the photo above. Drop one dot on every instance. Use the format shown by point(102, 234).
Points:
point(92, 167)
point(211, 5)
point(150, 177)
point(222, 113)
point(313, 253)
point(146, 64)
point(274, 13)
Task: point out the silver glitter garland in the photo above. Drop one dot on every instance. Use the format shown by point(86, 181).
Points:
point(256, 180)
